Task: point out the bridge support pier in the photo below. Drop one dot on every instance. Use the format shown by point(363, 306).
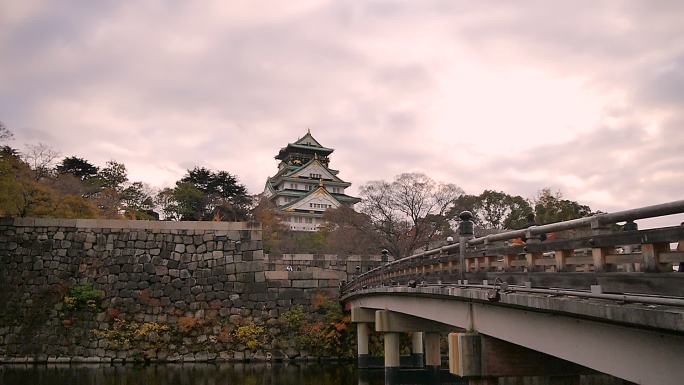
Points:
point(363, 318)
point(392, 323)
point(417, 349)
point(465, 354)
point(433, 359)
point(362, 335)
point(391, 342)
point(479, 356)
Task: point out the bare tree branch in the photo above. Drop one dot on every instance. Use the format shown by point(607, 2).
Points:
point(404, 211)
point(41, 158)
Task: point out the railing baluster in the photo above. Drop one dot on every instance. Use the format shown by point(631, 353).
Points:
point(561, 257)
point(650, 253)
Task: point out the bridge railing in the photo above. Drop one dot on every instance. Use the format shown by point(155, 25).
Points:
point(581, 252)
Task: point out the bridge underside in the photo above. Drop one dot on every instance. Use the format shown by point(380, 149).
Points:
point(644, 356)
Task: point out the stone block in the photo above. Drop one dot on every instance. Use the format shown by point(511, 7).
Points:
point(276, 275)
point(301, 275)
point(328, 274)
point(304, 283)
point(288, 294)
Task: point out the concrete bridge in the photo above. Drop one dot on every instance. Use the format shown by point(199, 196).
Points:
point(589, 295)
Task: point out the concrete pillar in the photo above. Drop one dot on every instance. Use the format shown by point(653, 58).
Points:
point(433, 359)
point(464, 354)
point(454, 354)
point(362, 334)
point(417, 349)
point(391, 341)
point(471, 354)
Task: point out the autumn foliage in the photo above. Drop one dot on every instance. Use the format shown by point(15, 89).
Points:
point(325, 331)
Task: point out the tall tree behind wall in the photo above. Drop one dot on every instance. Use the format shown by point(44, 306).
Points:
point(203, 194)
point(26, 191)
point(494, 210)
point(400, 210)
point(550, 207)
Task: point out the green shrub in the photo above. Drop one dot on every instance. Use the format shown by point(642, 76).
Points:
point(82, 297)
point(324, 332)
point(250, 335)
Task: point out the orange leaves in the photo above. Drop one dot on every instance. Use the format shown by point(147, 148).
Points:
point(187, 324)
point(225, 335)
point(318, 301)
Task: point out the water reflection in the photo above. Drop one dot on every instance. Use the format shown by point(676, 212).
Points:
point(187, 374)
point(246, 374)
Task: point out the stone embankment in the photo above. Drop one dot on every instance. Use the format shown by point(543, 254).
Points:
point(110, 290)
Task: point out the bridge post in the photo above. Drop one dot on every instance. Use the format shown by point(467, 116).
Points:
point(651, 256)
point(465, 232)
point(417, 349)
point(392, 359)
point(433, 359)
point(561, 257)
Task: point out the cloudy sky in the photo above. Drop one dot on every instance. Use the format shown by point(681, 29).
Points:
point(585, 97)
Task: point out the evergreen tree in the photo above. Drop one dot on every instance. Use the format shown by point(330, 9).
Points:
point(78, 167)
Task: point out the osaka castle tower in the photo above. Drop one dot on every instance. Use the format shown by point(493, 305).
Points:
point(304, 187)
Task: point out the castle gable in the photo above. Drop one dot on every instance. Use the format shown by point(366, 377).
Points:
point(318, 200)
point(314, 170)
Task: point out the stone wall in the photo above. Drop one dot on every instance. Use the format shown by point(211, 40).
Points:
point(165, 290)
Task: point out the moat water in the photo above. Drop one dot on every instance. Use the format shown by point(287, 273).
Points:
point(232, 374)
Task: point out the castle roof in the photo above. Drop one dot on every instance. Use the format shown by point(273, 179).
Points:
point(307, 143)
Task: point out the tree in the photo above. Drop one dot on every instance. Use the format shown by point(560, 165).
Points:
point(40, 157)
point(403, 211)
point(273, 230)
point(78, 167)
point(494, 210)
point(20, 193)
point(11, 186)
point(203, 194)
point(7, 152)
point(107, 201)
point(74, 206)
point(113, 176)
point(137, 202)
point(349, 232)
point(167, 205)
point(38, 200)
point(550, 208)
point(68, 184)
point(5, 133)
point(218, 185)
point(190, 202)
